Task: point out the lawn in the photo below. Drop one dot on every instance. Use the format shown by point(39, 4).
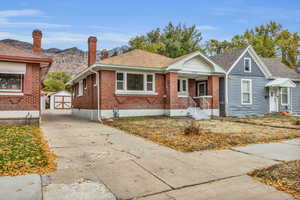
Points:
point(23, 150)
point(284, 121)
point(285, 177)
point(178, 134)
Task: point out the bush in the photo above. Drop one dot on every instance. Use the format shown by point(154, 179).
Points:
point(193, 129)
point(297, 122)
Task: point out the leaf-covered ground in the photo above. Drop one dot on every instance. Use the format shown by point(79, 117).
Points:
point(24, 150)
point(277, 120)
point(215, 134)
point(284, 177)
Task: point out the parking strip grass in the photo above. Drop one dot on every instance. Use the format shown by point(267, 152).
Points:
point(284, 177)
point(213, 134)
point(24, 150)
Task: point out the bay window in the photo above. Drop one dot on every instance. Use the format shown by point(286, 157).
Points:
point(246, 90)
point(11, 82)
point(130, 82)
point(284, 96)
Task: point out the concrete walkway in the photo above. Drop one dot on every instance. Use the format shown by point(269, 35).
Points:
point(92, 154)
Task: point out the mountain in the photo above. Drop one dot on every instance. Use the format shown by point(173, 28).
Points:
point(71, 60)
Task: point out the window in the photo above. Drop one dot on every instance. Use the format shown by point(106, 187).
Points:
point(284, 96)
point(247, 64)
point(10, 82)
point(182, 87)
point(202, 88)
point(149, 82)
point(246, 91)
point(134, 82)
point(84, 84)
point(80, 88)
point(120, 81)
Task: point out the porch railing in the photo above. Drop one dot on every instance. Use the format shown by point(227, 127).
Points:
point(200, 109)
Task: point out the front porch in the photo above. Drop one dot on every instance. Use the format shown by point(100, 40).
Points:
point(196, 94)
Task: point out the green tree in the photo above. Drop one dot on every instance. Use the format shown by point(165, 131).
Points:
point(173, 41)
point(268, 40)
point(56, 81)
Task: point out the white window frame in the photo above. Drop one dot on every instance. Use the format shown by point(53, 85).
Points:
point(288, 97)
point(10, 90)
point(250, 64)
point(202, 83)
point(242, 97)
point(80, 88)
point(144, 91)
point(182, 93)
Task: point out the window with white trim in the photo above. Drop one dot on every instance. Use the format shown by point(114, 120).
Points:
point(247, 64)
point(284, 92)
point(11, 82)
point(80, 88)
point(134, 82)
point(182, 87)
point(246, 91)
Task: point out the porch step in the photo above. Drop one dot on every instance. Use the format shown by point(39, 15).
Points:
point(197, 113)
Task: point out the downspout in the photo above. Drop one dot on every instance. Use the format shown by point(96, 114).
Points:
point(98, 95)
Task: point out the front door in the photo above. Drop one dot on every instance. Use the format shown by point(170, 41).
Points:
point(274, 99)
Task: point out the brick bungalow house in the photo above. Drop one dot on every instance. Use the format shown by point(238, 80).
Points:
point(140, 83)
point(21, 75)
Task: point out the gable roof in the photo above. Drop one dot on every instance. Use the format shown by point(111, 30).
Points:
point(278, 69)
point(138, 58)
point(227, 59)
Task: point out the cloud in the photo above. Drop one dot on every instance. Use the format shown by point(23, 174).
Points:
point(4, 23)
point(206, 28)
point(256, 11)
point(20, 13)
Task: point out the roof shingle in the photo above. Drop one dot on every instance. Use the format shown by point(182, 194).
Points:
point(226, 59)
point(138, 58)
point(278, 69)
point(8, 50)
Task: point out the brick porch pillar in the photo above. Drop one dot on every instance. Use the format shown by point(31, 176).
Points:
point(171, 90)
point(213, 90)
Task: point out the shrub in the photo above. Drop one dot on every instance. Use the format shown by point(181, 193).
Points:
point(193, 129)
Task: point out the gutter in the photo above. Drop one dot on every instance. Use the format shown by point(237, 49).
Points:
point(98, 94)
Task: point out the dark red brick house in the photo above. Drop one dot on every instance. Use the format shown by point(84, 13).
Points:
point(140, 83)
point(21, 74)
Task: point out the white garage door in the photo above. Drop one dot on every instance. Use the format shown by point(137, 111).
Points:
point(62, 102)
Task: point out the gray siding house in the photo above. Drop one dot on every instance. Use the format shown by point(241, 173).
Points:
point(255, 85)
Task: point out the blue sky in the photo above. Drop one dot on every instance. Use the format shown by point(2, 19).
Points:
point(68, 23)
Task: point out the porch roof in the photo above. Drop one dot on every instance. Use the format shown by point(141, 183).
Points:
point(281, 82)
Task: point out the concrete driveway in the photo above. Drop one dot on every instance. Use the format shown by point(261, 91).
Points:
point(132, 167)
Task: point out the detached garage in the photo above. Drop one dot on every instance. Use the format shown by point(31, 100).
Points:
point(60, 102)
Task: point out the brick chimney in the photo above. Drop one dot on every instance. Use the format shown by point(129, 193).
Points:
point(37, 41)
point(92, 48)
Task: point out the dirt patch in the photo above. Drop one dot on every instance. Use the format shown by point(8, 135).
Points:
point(212, 134)
point(284, 177)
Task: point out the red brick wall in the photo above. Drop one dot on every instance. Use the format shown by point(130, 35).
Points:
point(110, 100)
point(213, 90)
point(89, 98)
point(165, 86)
point(30, 100)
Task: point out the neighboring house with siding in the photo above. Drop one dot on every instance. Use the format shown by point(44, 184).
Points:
point(255, 85)
point(21, 74)
point(140, 83)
